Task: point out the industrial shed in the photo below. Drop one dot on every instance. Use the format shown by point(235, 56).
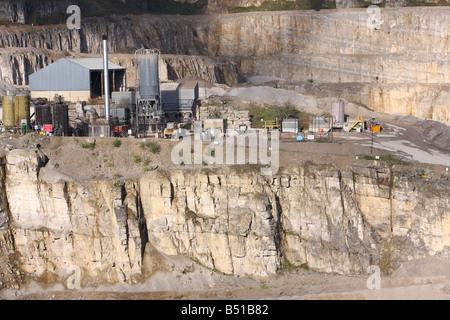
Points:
point(77, 79)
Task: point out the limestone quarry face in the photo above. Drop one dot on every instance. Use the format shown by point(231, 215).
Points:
point(232, 220)
point(401, 67)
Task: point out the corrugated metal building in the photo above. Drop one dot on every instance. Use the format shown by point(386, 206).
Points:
point(76, 79)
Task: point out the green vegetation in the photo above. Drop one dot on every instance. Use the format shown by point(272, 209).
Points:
point(281, 5)
point(88, 146)
point(288, 266)
point(117, 143)
point(153, 147)
point(391, 160)
point(117, 175)
point(137, 159)
point(273, 112)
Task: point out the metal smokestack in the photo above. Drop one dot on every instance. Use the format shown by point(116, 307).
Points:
point(106, 77)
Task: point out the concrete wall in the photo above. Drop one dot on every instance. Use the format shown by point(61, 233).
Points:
point(234, 116)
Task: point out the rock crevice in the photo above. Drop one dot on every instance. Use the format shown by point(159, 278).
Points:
point(240, 223)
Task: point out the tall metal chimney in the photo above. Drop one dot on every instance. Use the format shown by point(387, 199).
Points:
point(106, 77)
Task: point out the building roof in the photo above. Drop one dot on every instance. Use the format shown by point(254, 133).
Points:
point(94, 63)
point(68, 74)
point(188, 85)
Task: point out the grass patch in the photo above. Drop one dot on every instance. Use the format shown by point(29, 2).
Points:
point(88, 146)
point(288, 266)
point(281, 5)
point(273, 112)
point(391, 160)
point(153, 147)
point(117, 143)
point(137, 159)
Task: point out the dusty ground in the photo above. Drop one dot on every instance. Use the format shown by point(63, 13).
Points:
point(423, 150)
point(69, 160)
point(426, 279)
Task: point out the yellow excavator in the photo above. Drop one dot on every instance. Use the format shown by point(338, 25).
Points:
point(171, 128)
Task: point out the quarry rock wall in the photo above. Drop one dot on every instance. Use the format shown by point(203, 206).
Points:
point(232, 220)
point(407, 31)
point(29, 11)
point(407, 55)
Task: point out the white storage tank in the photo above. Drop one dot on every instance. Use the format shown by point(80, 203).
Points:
point(338, 111)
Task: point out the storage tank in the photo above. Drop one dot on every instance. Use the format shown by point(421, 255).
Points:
point(22, 108)
point(8, 110)
point(149, 85)
point(188, 93)
point(43, 114)
point(338, 111)
point(60, 113)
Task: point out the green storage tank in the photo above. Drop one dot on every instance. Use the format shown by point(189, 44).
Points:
point(22, 109)
point(8, 111)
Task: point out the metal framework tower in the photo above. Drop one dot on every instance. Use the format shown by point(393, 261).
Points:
point(149, 113)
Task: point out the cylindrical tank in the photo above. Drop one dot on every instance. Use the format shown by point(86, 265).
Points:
point(149, 87)
point(338, 111)
point(22, 108)
point(8, 110)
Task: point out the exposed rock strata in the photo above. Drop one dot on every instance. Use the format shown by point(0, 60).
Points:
point(231, 220)
point(402, 66)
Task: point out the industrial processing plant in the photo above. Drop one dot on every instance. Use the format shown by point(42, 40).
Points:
point(197, 150)
point(57, 102)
